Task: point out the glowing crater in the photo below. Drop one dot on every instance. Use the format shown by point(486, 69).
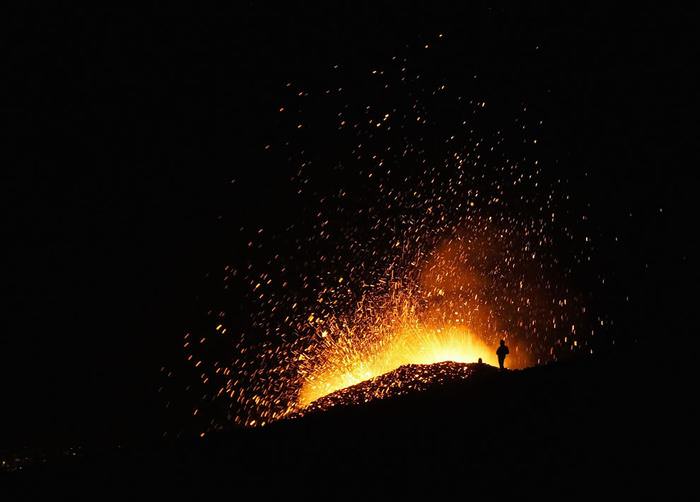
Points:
point(413, 345)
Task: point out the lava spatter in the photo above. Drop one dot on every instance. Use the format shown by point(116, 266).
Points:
point(428, 230)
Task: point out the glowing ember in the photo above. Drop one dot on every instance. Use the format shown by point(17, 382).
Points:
point(442, 310)
point(413, 345)
point(406, 379)
point(420, 241)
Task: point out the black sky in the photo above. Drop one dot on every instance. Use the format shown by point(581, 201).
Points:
point(128, 125)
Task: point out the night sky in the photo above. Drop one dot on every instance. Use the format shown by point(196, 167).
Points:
point(128, 126)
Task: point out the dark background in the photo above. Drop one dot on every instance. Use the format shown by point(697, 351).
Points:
point(128, 126)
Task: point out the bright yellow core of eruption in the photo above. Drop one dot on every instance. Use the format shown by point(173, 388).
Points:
point(415, 345)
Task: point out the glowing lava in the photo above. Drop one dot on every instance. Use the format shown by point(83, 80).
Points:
point(442, 309)
point(412, 345)
point(405, 380)
point(422, 227)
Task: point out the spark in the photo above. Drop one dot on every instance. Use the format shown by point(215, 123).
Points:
point(428, 234)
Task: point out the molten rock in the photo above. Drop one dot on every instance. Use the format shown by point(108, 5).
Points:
point(407, 379)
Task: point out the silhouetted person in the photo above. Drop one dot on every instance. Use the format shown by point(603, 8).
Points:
point(502, 352)
point(480, 362)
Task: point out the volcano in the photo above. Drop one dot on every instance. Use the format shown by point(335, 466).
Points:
point(409, 379)
point(560, 429)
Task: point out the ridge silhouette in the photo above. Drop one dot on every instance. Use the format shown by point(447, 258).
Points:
point(615, 422)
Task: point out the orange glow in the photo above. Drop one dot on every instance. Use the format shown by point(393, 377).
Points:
point(412, 345)
point(426, 233)
point(436, 312)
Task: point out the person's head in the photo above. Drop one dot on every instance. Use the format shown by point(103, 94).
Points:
point(480, 361)
point(503, 342)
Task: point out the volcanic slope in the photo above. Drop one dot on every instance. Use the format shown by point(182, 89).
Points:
point(405, 380)
point(617, 421)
